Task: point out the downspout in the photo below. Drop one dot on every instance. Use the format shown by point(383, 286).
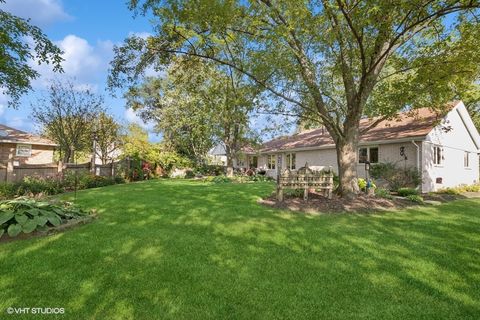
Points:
point(418, 160)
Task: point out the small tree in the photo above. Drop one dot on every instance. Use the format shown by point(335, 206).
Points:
point(107, 135)
point(20, 42)
point(67, 115)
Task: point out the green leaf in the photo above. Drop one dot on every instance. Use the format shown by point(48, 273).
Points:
point(40, 220)
point(29, 226)
point(33, 211)
point(47, 213)
point(5, 216)
point(14, 229)
point(55, 220)
point(2, 231)
point(21, 218)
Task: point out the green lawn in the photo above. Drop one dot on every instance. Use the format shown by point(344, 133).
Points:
point(190, 250)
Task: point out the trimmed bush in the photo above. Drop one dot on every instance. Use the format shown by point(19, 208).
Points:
point(405, 192)
point(27, 215)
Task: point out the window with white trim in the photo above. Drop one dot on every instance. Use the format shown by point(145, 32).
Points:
point(438, 155)
point(24, 150)
point(369, 154)
point(271, 161)
point(466, 159)
point(290, 161)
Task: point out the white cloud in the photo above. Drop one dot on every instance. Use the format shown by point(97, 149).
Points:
point(79, 55)
point(87, 64)
point(41, 12)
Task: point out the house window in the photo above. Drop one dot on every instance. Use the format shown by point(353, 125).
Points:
point(368, 154)
point(466, 159)
point(290, 161)
point(437, 155)
point(24, 150)
point(271, 161)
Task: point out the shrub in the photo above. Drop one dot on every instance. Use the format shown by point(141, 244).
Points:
point(383, 193)
point(461, 189)
point(296, 193)
point(260, 178)
point(189, 174)
point(396, 177)
point(51, 186)
point(210, 170)
point(27, 215)
point(405, 192)
point(450, 191)
point(362, 184)
point(221, 179)
point(415, 198)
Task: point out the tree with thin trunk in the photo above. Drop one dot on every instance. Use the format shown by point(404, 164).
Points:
point(331, 61)
point(107, 132)
point(67, 115)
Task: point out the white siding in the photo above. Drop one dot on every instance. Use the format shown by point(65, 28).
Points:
point(455, 142)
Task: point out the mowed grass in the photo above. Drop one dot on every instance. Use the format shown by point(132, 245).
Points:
point(191, 250)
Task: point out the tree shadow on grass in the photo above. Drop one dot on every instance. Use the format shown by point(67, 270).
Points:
point(181, 249)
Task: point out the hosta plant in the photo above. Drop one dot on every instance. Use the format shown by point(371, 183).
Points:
point(27, 215)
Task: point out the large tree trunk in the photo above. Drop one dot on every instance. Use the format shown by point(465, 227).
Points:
point(229, 166)
point(347, 164)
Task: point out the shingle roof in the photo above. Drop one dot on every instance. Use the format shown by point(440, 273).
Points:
point(411, 124)
point(11, 135)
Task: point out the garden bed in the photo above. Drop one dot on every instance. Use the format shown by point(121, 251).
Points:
point(25, 217)
point(317, 203)
point(52, 230)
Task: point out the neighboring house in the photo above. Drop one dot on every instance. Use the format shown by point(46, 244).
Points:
point(445, 149)
point(247, 158)
point(19, 148)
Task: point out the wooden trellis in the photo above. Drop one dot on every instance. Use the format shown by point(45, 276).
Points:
point(306, 179)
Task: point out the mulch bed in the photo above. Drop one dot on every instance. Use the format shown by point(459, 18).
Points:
point(52, 230)
point(317, 203)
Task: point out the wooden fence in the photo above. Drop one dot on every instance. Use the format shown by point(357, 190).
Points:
point(306, 179)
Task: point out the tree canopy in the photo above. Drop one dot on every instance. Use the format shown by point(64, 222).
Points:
point(331, 61)
point(196, 110)
point(21, 42)
point(67, 116)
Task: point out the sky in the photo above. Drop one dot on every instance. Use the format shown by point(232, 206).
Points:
point(86, 30)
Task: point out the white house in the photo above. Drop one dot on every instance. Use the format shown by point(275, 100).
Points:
point(444, 148)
